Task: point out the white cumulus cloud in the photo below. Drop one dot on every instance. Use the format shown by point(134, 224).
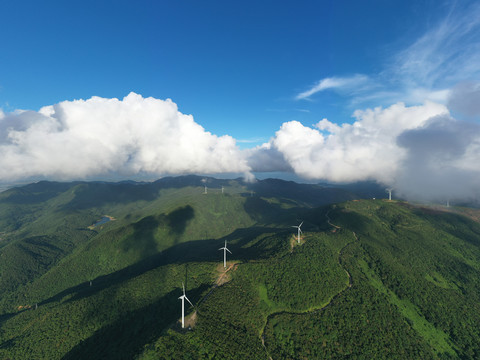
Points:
point(364, 150)
point(420, 151)
point(85, 138)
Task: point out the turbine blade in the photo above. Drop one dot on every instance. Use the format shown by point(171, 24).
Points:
point(189, 301)
point(295, 226)
point(221, 248)
point(228, 250)
point(183, 286)
point(300, 224)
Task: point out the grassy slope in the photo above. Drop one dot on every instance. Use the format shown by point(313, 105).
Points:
point(164, 241)
point(43, 223)
point(50, 224)
point(414, 295)
point(415, 279)
point(232, 319)
point(138, 244)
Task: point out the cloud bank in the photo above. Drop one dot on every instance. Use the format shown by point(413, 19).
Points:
point(442, 160)
point(421, 151)
point(85, 138)
point(363, 150)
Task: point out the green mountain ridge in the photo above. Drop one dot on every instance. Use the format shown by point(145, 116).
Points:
point(370, 278)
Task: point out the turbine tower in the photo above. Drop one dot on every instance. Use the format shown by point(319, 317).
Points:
point(225, 254)
point(299, 231)
point(205, 189)
point(183, 297)
point(389, 191)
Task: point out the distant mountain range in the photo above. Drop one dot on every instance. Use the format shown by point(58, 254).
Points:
point(95, 269)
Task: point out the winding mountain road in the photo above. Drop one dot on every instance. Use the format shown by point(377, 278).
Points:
point(350, 283)
point(223, 278)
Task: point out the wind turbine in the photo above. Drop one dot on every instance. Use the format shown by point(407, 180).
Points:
point(183, 297)
point(225, 254)
point(299, 231)
point(389, 191)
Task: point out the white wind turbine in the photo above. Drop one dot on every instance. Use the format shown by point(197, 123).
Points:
point(389, 191)
point(299, 231)
point(225, 254)
point(183, 297)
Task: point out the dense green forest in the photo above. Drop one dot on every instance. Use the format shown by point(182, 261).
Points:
point(370, 278)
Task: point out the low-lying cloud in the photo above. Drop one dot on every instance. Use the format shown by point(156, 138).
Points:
point(442, 161)
point(363, 150)
point(421, 151)
point(86, 138)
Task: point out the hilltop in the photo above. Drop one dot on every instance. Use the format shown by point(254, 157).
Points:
point(103, 264)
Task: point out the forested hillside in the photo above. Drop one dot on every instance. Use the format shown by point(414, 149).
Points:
point(94, 270)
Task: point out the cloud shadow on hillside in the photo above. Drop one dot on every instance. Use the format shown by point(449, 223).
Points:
point(126, 337)
point(265, 212)
point(143, 239)
point(35, 193)
point(178, 219)
point(95, 194)
point(182, 253)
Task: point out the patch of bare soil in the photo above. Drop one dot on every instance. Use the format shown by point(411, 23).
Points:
point(224, 276)
point(191, 320)
point(294, 242)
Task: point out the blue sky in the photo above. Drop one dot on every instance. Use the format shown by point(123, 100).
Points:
point(325, 90)
point(235, 66)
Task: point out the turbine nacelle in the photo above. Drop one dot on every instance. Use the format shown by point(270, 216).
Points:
point(184, 296)
point(225, 247)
